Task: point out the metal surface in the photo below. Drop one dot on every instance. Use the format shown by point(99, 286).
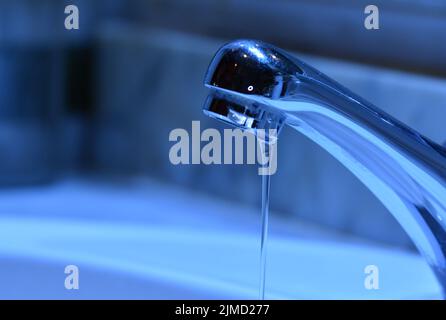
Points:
point(256, 85)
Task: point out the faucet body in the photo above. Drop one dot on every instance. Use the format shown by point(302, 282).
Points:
point(255, 85)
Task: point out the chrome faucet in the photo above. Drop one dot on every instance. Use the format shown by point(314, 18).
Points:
point(255, 85)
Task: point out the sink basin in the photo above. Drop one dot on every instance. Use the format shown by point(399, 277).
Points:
point(160, 256)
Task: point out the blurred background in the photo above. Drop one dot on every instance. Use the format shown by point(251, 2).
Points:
point(84, 122)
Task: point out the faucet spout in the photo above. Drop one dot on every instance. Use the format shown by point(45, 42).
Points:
point(250, 81)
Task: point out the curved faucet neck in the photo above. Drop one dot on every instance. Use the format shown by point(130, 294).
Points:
point(404, 170)
point(253, 85)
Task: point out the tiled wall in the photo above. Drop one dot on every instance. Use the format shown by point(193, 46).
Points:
point(33, 48)
point(411, 34)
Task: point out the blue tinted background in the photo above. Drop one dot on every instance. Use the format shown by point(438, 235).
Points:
point(85, 177)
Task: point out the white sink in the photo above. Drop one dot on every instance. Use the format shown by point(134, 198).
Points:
point(165, 255)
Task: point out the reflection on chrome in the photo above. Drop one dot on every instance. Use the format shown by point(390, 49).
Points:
point(405, 171)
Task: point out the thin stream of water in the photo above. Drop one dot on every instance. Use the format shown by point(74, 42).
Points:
point(264, 236)
point(266, 178)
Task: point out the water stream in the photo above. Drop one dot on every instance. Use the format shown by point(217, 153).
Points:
point(265, 147)
point(264, 236)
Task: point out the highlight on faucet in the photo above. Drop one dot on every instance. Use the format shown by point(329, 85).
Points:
point(216, 153)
